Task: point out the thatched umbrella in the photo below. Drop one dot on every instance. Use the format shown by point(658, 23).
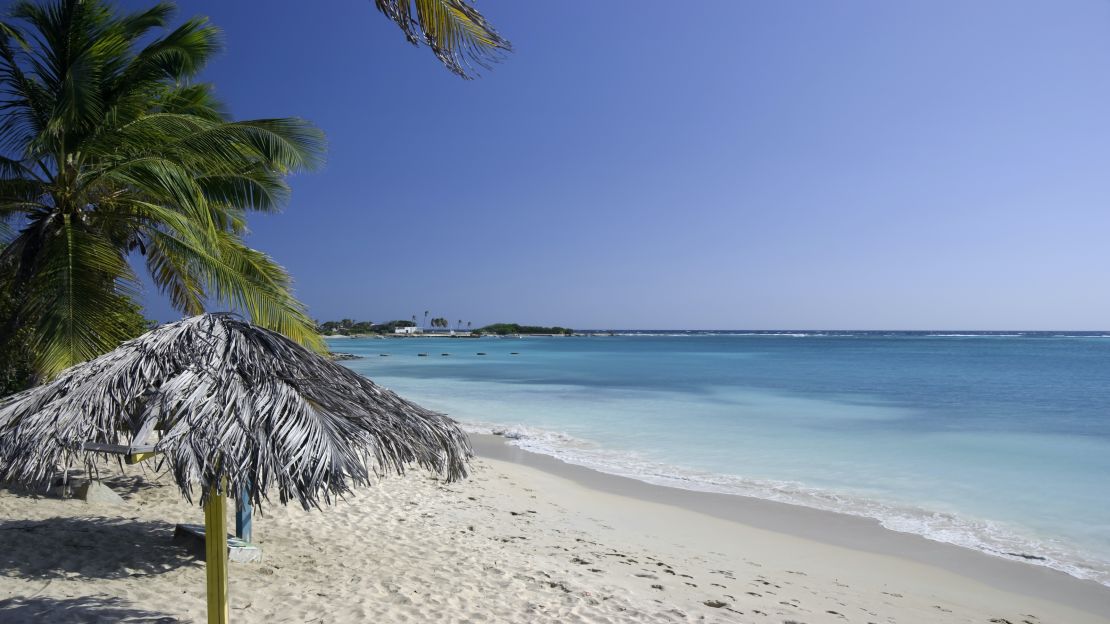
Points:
point(240, 410)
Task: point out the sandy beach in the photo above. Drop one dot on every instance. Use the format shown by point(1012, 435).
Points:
point(525, 539)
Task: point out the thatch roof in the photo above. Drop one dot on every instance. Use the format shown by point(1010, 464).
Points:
point(232, 401)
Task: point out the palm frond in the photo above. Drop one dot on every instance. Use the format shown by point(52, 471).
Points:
point(284, 144)
point(77, 285)
point(195, 100)
point(250, 190)
point(240, 408)
point(195, 264)
point(456, 32)
point(180, 55)
point(108, 147)
point(137, 24)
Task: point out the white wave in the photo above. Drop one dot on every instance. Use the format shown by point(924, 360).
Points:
point(974, 335)
point(985, 536)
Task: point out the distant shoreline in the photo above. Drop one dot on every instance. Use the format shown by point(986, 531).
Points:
point(441, 335)
point(767, 333)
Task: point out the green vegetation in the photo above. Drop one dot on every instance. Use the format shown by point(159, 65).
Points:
point(347, 327)
point(112, 156)
point(503, 329)
point(113, 159)
point(457, 33)
point(17, 370)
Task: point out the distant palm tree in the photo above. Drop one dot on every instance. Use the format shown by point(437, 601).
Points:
point(458, 324)
point(425, 325)
point(109, 147)
point(456, 32)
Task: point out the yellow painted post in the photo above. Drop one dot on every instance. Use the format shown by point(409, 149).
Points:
point(134, 458)
point(215, 550)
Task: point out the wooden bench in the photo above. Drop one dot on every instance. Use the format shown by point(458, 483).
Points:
point(239, 547)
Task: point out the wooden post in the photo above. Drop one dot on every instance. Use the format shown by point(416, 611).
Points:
point(243, 514)
point(215, 549)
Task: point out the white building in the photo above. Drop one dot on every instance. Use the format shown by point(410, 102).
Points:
point(407, 330)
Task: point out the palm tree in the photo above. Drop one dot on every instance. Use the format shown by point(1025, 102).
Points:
point(425, 325)
point(457, 33)
point(112, 156)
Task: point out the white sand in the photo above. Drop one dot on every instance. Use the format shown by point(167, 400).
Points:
point(511, 544)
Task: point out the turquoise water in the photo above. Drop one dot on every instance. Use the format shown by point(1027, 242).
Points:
point(995, 442)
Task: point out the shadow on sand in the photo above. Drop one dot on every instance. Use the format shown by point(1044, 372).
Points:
point(125, 485)
point(91, 547)
point(105, 609)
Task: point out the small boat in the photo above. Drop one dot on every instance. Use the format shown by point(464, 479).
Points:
point(422, 355)
point(481, 353)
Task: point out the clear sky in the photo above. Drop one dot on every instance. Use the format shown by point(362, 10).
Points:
point(710, 164)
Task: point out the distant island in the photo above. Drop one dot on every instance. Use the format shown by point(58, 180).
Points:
point(439, 327)
point(505, 329)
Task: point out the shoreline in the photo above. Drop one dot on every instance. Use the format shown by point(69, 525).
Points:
point(828, 528)
point(440, 335)
point(523, 540)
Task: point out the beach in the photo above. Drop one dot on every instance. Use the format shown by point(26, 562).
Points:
point(836, 355)
point(996, 443)
point(525, 539)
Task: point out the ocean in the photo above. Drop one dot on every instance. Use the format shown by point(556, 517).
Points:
point(995, 441)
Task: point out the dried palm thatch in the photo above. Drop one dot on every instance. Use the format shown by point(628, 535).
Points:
point(239, 407)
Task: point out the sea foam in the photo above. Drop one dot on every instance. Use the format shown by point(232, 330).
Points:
point(993, 538)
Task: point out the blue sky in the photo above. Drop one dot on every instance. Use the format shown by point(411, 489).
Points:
point(733, 164)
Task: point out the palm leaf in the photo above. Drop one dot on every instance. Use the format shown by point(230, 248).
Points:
point(455, 31)
point(73, 293)
point(108, 147)
point(242, 409)
point(193, 265)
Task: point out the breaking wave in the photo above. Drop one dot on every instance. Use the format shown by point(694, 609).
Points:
point(989, 537)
